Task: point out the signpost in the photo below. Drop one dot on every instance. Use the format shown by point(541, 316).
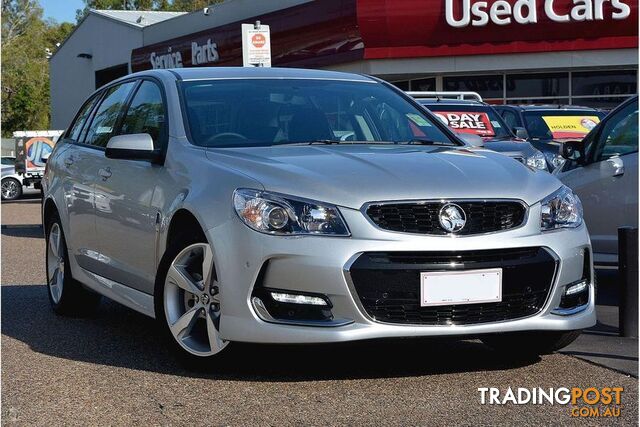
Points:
point(256, 45)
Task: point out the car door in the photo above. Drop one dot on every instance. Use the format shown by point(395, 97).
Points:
point(82, 161)
point(608, 184)
point(126, 221)
point(76, 182)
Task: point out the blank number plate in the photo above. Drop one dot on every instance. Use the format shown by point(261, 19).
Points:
point(460, 287)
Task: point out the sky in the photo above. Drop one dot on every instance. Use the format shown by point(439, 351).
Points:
point(61, 10)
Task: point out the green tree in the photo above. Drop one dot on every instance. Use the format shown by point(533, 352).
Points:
point(27, 41)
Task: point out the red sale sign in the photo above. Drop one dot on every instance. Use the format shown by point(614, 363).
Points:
point(467, 122)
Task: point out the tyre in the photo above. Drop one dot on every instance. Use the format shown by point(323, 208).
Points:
point(187, 303)
point(11, 189)
point(67, 295)
point(529, 344)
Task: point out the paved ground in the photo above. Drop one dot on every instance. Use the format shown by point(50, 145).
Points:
point(112, 369)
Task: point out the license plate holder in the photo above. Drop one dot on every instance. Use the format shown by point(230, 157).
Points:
point(439, 288)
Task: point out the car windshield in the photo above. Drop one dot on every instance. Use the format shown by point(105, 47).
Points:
point(9, 161)
point(481, 120)
point(561, 124)
point(265, 112)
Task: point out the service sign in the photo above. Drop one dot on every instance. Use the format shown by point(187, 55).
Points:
point(256, 45)
point(467, 122)
point(562, 127)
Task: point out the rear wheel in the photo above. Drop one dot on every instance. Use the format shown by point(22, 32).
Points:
point(67, 295)
point(188, 303)
point(530, 343)
point(11, 189)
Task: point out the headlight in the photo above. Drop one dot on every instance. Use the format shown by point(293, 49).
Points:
point(286, 215)
point(561, 209)
point(555, 160)
point(537, 161)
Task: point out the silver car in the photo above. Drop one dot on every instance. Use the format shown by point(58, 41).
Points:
point(605, 176)
point(300, 206)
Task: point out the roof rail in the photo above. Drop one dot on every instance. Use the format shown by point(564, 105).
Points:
point(452, 94)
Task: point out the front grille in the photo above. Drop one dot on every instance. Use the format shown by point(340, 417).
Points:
point(388, 285)
point(423, 217)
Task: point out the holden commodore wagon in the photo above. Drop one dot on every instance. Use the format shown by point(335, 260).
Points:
point(300, 206)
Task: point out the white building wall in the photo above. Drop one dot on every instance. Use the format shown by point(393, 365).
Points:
point(220, 14)
point(72, 78)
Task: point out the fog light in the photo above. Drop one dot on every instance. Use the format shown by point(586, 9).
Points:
point(297, 299)
point(575, 289)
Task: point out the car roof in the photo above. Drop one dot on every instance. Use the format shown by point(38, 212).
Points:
point(448, 101)
point(547, 107)
point(203, 73)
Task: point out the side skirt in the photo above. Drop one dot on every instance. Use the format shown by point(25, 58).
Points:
point(129, 297)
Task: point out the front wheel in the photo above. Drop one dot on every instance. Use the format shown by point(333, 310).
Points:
point(188, 303)
point(11, 189)
point(530, 343)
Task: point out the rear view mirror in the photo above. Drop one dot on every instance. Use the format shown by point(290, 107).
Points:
point(471, 139)
point(137, 146)
point(521, 133)
point(573, 150)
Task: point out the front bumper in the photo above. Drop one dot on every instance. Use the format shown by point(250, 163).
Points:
point(320, 265)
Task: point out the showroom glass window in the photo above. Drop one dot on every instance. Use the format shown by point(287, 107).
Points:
point(489, 86)
point(106, 116)
point(146, 114)
point(537, 85)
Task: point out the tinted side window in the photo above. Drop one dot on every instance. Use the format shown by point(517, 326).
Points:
point(81, 118)
point(510, 119)
point(146, 114)
point(620, 134)
point(107, 114)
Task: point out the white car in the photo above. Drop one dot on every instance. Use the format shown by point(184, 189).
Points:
point(11, 181)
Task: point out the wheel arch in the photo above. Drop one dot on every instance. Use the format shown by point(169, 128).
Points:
point(182, 222)
point(48, 209)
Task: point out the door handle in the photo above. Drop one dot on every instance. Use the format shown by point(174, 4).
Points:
point(617, 165)
point(105, 173)
point(68, 161)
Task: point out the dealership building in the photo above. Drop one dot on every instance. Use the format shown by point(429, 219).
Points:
point(582, 52)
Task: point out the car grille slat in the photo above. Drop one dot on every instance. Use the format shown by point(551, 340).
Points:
point(388, 285)
point(423, 217)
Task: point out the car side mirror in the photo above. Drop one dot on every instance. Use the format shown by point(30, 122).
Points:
point(471, 139)
point(137, 146)
point(573, 150)
point(521, 132)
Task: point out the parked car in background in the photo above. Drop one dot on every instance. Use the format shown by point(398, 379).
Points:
point(11, 182)
point(548, 125)
point(603, 170)
point(233, 209)
point(475, 117)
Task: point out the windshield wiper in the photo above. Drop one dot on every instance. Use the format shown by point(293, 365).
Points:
point(423, 141)
point(311, 142)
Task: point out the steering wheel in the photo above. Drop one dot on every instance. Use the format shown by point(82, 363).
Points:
point(226, 135)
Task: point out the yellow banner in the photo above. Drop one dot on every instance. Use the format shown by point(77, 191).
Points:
point(570, 126)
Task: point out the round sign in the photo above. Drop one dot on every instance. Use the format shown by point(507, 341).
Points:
point(258, 40)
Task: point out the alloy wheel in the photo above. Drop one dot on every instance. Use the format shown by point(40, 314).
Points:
point(191, 301)
point(55, 263)
point(10, 189)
